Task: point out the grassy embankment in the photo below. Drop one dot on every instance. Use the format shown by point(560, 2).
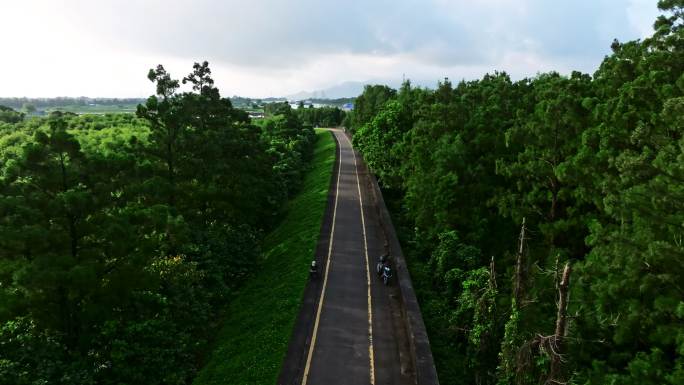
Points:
point(252, 344)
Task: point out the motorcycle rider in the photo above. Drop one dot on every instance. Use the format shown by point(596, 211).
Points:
point(386, 274)
point(382, 262)
point(313, 269)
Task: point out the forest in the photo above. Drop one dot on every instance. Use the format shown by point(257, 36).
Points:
point(543, 218)
point(325, 116)
point(321, 116)
point(123, 237)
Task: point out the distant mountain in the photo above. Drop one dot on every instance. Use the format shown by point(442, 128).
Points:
point(349, 89)
point(342, 90)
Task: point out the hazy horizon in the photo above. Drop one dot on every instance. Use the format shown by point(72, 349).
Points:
point(266, 49)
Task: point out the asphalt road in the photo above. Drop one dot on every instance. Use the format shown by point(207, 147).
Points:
point(349, 330)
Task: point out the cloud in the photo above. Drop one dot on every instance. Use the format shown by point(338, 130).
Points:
point(272, 47)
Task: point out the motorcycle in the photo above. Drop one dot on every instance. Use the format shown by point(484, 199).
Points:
point(313, 270)
point(386, 274)
point(383, 269)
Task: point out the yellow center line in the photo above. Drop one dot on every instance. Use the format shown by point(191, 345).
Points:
point(307, 367)
point(368, 275)
point(327, 269)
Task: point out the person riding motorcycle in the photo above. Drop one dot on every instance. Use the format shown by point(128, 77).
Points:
point(313, 269)
point(382, 262)
point(384, 268)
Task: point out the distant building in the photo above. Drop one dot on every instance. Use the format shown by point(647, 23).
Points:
point(347, 106)
point(256, 115)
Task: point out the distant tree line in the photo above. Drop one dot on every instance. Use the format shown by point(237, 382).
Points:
point(338, 102)
point(321, 116)
point(30, 104)
point(543, 217)
point(8, 115)
point(315, 117)
point(18, 103)
point(242, 102)
point(249, 103)
point(122, 237)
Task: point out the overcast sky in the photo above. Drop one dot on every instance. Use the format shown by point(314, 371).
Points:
point(262, 48)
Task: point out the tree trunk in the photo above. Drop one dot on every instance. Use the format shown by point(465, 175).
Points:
point(170, 172)
point(557, 341)
point(517, 288)
point(492, 274)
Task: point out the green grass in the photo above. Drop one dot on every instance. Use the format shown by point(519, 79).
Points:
point(252, 344)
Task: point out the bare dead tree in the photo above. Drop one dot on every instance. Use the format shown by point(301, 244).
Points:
point(555, 370)
point(492, 274)
point(517, 288)
point(514, 358)
point(556, 273)
point(554, 345)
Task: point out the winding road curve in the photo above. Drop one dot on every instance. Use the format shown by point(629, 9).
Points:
point(350, 328)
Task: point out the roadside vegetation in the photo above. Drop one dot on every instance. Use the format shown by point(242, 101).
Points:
point(321, 116)
point(260, 318)
point(542, 218)
point(315, 117)
point(123, 237)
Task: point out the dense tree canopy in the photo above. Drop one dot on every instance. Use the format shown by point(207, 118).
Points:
point(368, 104)
point(593, 169)
point(122, 237)
point(8, 115)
